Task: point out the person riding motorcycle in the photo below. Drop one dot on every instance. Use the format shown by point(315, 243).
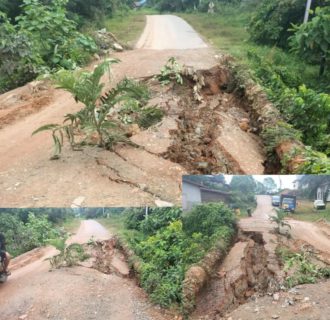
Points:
point(5, 257)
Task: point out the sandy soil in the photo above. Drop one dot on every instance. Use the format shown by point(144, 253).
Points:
point(128, 177)
point(34, 293)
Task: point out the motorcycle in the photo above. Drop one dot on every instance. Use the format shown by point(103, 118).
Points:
point(3, 275)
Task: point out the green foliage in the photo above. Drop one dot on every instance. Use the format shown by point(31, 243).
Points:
point(159, 218)
point(315, 162)
point(279, 219)
point(273, 19)
point(69, 255)
point(23, 234)
point(170, 72)
point(149, 116)
point(301, 269)
point(168, 244)
point(19, 61)
point(93, 118)
point(305, 109)
point(165, 257)
point(311, 40)
point(208, 218)
point(42, 40)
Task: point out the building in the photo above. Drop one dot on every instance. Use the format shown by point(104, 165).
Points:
point(194, 193)
point(323, 192)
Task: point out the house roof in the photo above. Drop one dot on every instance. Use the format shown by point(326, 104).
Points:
point(203, 188)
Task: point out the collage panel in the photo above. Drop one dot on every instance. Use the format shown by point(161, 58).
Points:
point(278, 261)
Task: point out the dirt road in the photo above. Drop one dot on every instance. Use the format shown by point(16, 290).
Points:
point(33, 293)
point(29, 179)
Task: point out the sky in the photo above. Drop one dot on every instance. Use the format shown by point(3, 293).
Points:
point(286, 180)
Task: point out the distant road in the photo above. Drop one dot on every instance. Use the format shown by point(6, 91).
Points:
point(165, 32)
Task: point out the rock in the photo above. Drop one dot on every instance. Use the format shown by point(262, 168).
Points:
point(275, 316)
point(203, 165)
point(22, 317)
point(276, 296)
point(306, 299)
point(116, 46)
point(163, 204)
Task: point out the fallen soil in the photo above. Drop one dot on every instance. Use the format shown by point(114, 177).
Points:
point(208, 138)
point(82, 292)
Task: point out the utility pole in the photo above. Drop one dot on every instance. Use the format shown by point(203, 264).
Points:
point(308, 7)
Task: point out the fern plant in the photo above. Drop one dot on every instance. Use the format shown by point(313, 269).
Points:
point(86, 87)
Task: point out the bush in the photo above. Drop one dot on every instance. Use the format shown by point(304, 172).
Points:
point(207, 218)
point(272, 21)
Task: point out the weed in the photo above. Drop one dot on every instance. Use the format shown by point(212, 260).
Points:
point(170, 72)
point(69, 256)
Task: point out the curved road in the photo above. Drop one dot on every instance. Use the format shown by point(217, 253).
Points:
point(34, 293)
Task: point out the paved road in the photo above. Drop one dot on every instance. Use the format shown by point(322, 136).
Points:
point(164, 32)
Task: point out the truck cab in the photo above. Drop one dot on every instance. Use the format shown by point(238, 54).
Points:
point(288, 202)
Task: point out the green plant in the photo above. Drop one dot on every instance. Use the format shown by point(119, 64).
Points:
point(69, 255)
point(302, 269)
point(315, 162)
point(207, 218)
point(86, 87)
point(279, 219)
point(170, 72)
point(312, 40)
point(273, 18)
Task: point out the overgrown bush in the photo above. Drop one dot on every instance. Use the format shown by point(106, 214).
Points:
point(302, 107)
point(273, 19)
point(168, 245)
point(42, 39)
point(22, 237)
point(311, 40)
point(207, 218)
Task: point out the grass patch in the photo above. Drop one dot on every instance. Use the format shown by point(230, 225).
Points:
point(127, 27)
point(306, 212)
point(71, 225)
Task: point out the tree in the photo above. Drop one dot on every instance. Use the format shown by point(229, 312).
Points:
point(270, 185)
point(311, 40)
point(244, 184)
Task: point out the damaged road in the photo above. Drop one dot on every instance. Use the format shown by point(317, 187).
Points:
point(211, 136)
point(82, 292)
point(247, 282)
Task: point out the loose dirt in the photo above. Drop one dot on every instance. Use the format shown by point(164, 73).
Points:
point(32, 292)
point(129, 176)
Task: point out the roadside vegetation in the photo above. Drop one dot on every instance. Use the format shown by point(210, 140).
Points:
point(40, 37)
point(166, 243)
point(300, 268)
point(26, 229)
